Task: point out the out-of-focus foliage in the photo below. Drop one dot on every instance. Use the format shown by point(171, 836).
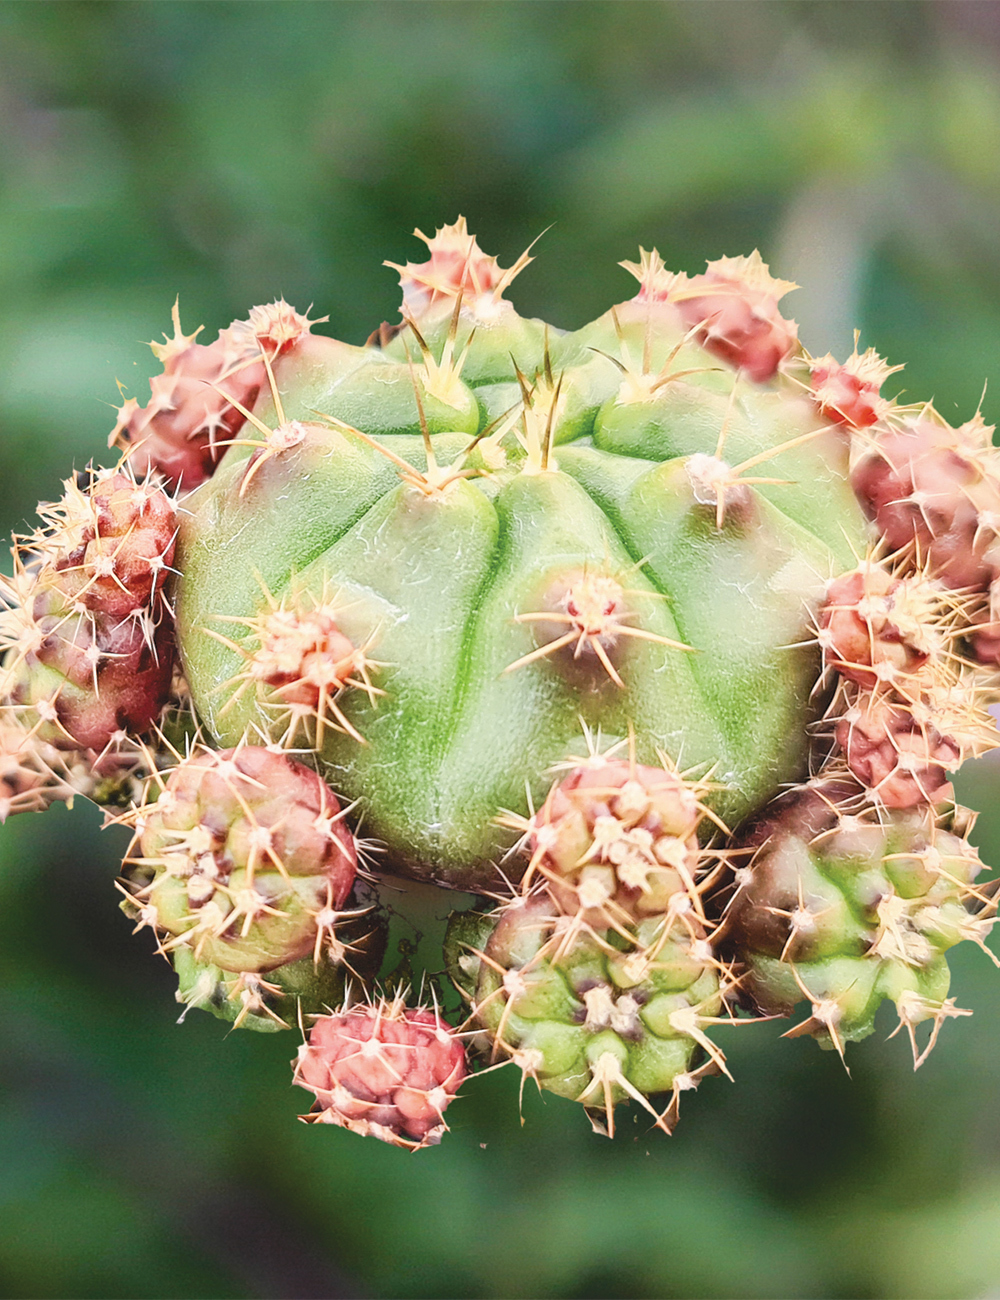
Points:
point(231, 152)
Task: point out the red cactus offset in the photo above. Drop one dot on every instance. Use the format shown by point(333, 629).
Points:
point(903, 763)
point(732, 309)
point(851, 393)
point(244, 859)
point(935, 490)
point(879, 629)
point(616, 841)
point(457, 268)
point(89, 633)
point(383, 1070)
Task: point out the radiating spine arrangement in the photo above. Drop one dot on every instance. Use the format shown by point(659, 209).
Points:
point(661, 637)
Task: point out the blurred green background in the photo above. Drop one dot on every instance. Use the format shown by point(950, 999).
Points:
point(230, 152)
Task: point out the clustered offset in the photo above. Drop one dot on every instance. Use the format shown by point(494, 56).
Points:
point(663, 637)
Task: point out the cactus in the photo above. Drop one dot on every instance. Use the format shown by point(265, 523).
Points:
point(661, 636)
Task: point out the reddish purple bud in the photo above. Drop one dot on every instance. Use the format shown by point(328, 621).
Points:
point(849, 393)
point(245, 858)
point(120, 556)
point(902, 763)
point(878, 629)
point(934, 488)
point(184, 430)
point(733, 308)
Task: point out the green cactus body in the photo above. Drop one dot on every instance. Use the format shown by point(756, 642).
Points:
point(446, 578)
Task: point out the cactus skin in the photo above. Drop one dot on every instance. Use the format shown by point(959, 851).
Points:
point(382, 1070)
point(413, 572)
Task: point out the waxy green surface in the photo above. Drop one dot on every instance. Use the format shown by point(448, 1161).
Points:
point(435, 581)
